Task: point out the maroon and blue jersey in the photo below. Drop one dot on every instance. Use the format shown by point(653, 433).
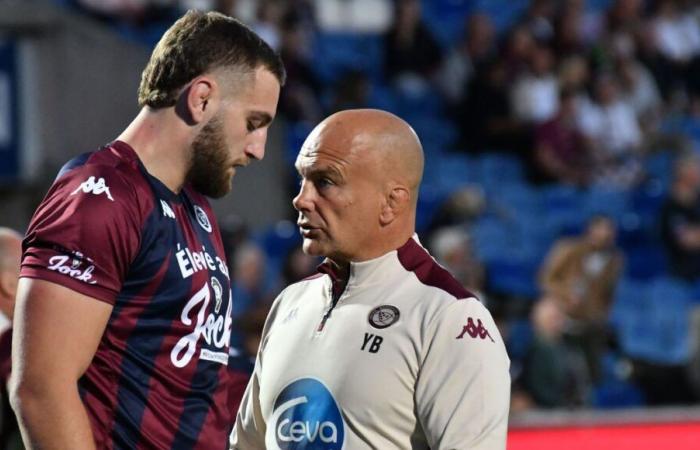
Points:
point(109, 230)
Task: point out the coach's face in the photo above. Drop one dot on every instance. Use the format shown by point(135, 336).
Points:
point(236, 134)
point(340, 196)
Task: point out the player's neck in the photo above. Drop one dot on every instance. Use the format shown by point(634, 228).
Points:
point(161, 145)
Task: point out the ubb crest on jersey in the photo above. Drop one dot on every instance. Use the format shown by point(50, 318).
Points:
point(305, 417)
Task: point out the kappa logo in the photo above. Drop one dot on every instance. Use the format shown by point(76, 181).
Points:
point(90, 186)
point(202, 218)
point(383, 316)
point(475, 331)
point(167, 211)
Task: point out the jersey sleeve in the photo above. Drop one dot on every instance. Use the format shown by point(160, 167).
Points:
point(85, 233)
point(463, 387)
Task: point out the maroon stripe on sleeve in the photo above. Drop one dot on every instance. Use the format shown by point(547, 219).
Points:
point(416, 259)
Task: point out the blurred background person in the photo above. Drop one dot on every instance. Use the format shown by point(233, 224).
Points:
point(581, 273)
point(680, 219)
point(552, 375)
point(561, 153)
point(10, 255)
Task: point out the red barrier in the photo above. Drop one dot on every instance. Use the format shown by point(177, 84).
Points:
point(670, 436)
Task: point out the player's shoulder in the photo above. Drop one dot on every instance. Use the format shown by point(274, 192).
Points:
point(430, 278)
point(112, 167)
point(111, 175)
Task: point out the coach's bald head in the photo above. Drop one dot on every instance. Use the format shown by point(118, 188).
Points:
point(378, 161)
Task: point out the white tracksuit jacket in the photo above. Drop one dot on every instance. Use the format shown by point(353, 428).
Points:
point(405, 358)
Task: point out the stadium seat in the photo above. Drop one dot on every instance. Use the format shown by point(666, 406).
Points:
point(341, 52)
point(651, 320)
point(645, 260)
point(514, 277)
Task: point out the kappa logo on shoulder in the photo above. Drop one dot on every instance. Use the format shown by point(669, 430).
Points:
point(475, 330)
point(167, 210)
point(90, 186)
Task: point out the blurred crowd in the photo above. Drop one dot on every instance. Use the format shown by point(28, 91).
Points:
point(581, 95)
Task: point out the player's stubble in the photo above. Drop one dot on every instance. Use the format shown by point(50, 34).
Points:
point(209, 173)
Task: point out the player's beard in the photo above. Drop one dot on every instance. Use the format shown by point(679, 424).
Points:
point(209, 172)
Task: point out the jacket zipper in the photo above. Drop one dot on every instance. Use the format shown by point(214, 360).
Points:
point(334, 302)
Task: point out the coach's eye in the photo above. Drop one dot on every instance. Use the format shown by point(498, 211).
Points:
point(324, 182)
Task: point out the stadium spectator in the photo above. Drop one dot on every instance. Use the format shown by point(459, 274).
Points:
point(611, 126)
point(299, 101)
point(452, 248)
point(517, 51)
point(677, 35)
point(535, 93)
point(539, 19)
point(249, 287)
point(553, 374)
point(123, 316)
point(561, 153)
point(581, 274)
point(298, 265)
point(462, 207)
point(468, 58)
point(361, 172)
point(354, 16)
point(639, 90)
point(10, 255)
point(573, 74)
point(351, 91)
point(484, 118)
point(680, 219)
point(411, 53)
point(569, 31)
point(268, 18)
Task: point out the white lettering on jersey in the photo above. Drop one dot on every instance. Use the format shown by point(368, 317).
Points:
point(215, 329)
point(167, 211)
point(58, 264)
point(90, 186)
point(190, 261)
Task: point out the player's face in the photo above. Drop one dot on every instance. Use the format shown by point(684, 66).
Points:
point(339, 200)
point(235, 135)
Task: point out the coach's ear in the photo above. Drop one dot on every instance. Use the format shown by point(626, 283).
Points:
point(397, 200)
point(201, 99)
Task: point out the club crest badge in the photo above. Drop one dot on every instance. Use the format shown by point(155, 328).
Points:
point(202, 218)
point(383, 316)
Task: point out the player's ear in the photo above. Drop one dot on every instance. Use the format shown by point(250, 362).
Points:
point(201, 98)
point(397, 200)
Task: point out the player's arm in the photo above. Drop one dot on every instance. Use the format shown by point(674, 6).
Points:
point(56, 334)
point(463, 387)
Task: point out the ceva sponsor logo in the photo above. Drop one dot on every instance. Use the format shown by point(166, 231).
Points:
point(305, 417)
